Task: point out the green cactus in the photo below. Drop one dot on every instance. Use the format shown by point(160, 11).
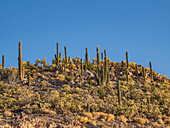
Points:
point(82, 67)
point(122, 64)
point(108, 75)
point(69, 59)
point(143, 73)
point(87, 56)
point(65, 49)
point(88, 107)
point(137, 70)
point(127, 60)
point(150, 64)
point(20, 61)
point(119, 92)
point(60, 55)
point(102, 77)
point(29, 82)
point(57, 53)
point(148, 102)
point(3, 61)
point(98, 60)
point(127, 78)
point(102, 56)
point(105, 67)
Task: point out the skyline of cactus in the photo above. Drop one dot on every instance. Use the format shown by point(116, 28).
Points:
point(86, 56)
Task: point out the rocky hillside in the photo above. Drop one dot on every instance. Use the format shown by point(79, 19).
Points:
point(70, 93)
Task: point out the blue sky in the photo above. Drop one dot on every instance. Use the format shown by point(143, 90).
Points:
point(141, 27)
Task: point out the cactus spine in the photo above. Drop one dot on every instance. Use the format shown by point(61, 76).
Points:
point(20, 61)
point(150, 64)
point(3, 61)
point(119, 92)
point(143, 72)
point(65, 54)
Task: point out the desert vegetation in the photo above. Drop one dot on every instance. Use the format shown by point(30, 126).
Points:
point(97, 93)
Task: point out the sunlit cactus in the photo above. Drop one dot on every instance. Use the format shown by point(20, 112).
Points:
point(98, 60)
point(122, 64)
point(60, 55)
point(102, 56)
point(102, 77)
point(136, 69)
point(105, 67)
point(143, 73)
point(87, 56)
point(57, 54)
point(127, 78)
point(119, 92)
point(3, 61)
point(108, 75)
point(82, 67)
point(150, 64)
point(20, 61)
point(127, 60)
point(23, 72)
point(69, 59)
point(29, 82)
point(65, 49)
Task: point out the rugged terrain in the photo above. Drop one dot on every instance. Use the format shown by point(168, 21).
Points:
point(70, 93)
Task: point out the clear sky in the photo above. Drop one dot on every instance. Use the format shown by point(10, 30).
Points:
point(141, 27)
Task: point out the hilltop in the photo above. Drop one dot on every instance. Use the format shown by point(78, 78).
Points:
point(74, 93)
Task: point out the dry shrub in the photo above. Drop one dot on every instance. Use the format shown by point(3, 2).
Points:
point(7, 113)
point(110, 117)
point(88, 115)
point(83, 120)
point(123, 119)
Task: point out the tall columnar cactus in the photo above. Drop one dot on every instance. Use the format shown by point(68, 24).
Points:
point(88, 107)
point(127, 60)
point(102, 77)
point(69, 59)
point(60, 55)
point(82, 67)
point(127, 78)
point(98, 59)
point(137, 70)
point(87, 58)
point(65, 54)
point(108, 75)
point(102, 56)
point(143, 73)
point(3, 61)
point(105, 67)
point(20, 61)
point(29, 82)
point(150, 64)
point(57, 54)
point(119, 92)
point(122, 64)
